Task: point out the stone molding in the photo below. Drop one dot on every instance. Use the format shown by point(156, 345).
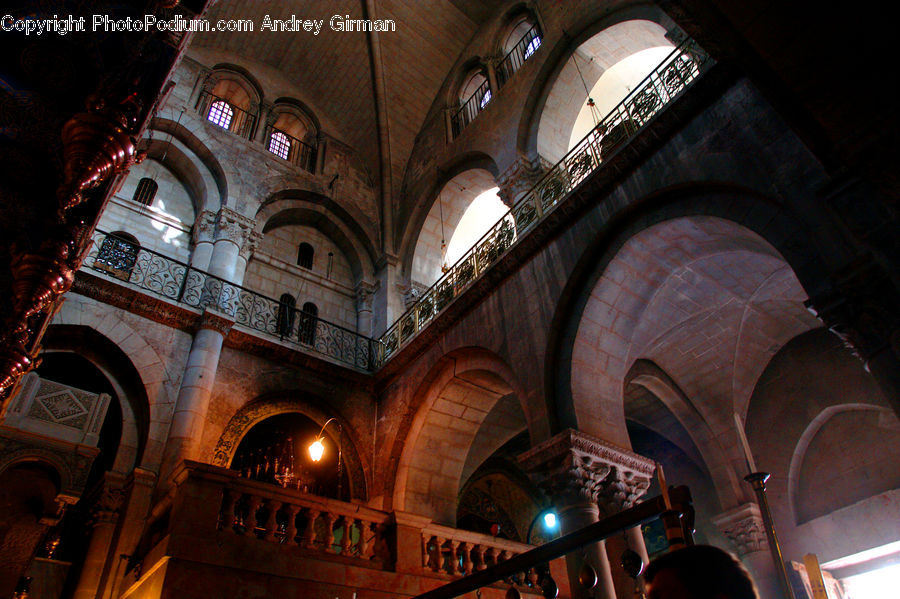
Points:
point(215, 321)
point(744, 526)
point(574, 468)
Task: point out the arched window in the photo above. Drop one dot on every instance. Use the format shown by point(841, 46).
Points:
point(309, 315)
point(474, 96)
point(220, 113)
point(285, 318)
point(145, 191)
point(118, 255)
point(305, 255)
point(279, 144)
point(522, 41)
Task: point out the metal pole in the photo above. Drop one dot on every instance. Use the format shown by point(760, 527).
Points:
point(758, 481)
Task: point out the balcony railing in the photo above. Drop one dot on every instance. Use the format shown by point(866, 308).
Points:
point(521, 52)
point(241, 121)
point(471, 107)
point(184, 284)
point(649, 98)
point(295, 151)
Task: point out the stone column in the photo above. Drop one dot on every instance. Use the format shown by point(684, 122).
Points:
point(628, 481)
point(568, 468)
point(134, 512)
point(204, 235)
point(244, 255)
point(104, 518)
point(232, 231)
point(365, 296)
point(196, 387)
point(744, 527)
point(264, 120)
point(388, 305)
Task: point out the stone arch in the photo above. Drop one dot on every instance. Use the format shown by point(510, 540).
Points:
point(272, 405)
point(226, 71)
point(651, 377)
point(511, 18)
point(212, 187)
point(133, 365)
point(300, 111)
point(559, 59)
point(319, 212)
point(781, 242)
point(70, 479)
point(426, 213)
point(450, 409)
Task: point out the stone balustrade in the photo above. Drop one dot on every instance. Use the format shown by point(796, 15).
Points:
point(460, 552)
point(264, 511)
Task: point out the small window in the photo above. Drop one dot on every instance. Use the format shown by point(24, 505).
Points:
point(532, 46)
point(280, 144)
point(221, 114)
point(485, 98)
point(309, 316)
point(305, 256)
point(145, 191)
point(285, 318)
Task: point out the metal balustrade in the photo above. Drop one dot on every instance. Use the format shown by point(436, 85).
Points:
point(241, 121)
point(649, 98)
point(184, 284)
point(521, 52)
point(470, 108)
point(297, 152)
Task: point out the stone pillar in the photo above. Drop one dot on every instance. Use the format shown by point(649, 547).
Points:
point(320, 153)
point(196, 387)
point(204, 235)
point(244, 255)
point(568, 468)
point(365, 295)
point(627, 481)
point(232, 231)
point(491, 69)
point(104, 518)
point(135, 510)
point(388, 304)
point(744, 527)
point(264, 120)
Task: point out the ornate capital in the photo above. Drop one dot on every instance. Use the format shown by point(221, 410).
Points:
point(623, 487)
point(744, 527)
point(106, 509)
point(251, 245)
point(365, 294)
point(520, 177)
point(205, 227)
point(233, 226)
point(573, 468)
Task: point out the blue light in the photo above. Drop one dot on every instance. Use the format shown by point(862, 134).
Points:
point(550, 520)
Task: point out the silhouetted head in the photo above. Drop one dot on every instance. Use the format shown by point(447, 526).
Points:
point(698, 572)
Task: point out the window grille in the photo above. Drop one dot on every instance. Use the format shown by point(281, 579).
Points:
point(305, 255)
point(309, 315)
point(145, 191)
point(279, 144)
point(220, 113)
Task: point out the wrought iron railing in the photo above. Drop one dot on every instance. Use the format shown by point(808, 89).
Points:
point(241, 121)
point(521, 52)
point(471, 107)
point(179, 282)
point(658, 89)
point(295, 151)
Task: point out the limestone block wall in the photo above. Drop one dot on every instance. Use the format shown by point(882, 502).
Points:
point(273, 271)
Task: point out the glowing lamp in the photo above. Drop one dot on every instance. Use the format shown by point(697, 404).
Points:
point(550, 520)
point(316, 449)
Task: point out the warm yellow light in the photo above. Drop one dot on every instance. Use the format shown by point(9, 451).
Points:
point(316, 450)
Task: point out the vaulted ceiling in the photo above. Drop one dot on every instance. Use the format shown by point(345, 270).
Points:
point(336, 75)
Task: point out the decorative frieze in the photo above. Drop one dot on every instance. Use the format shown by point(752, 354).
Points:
point(744, 527)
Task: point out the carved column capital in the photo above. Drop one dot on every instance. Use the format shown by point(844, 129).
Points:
point(205, 227)
point(250, 245)
point(624, 486)
point(744, 526)
point(519, 177)
point(573, 468)
point(233, 226)
point(109, 502)
point(365, 294)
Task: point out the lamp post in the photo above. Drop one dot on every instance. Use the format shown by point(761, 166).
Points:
point(317, 449)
